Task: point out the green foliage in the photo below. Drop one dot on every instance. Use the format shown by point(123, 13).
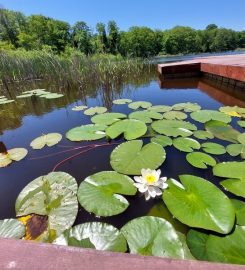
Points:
point(200, 160)
point(11, 228)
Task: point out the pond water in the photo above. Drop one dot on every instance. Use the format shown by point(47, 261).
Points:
point(27, 119)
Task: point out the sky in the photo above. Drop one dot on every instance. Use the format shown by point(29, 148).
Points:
point(156, 14)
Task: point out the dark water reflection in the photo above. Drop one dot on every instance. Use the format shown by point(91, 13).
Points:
point(21, 122)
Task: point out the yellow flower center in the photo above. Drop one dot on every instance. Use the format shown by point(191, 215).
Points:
point(233, 113)
point(150, 179)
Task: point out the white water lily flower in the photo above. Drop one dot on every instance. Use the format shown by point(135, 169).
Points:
point(150, 183)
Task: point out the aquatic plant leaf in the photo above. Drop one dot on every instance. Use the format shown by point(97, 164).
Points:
point(233, 111)
point(213, 148)
point(160, 108)
point(130, 128)
point(15, 154)
point(52, 95)
point(198, 203)
point(101, 193)
point(25, 95)
point(204, 116)
point(241, 123)
point(86, 133)
point(35, 91)
point(139, 104)
point(49, 139)
point(222, 131)
point(153, 236)
point(240, 211)
point(187, 107)
point(173, 128)
point(203, 135)
point(53, 195)
point(130, 157)
point(236, 149)
point(241, 138)
point(186, 144)
point(107, 118)
point(187, 252)
point(121, 101)
point(95, 110)
point(79, 108)
point(101, 236)
point(2, 102)
point(233, 169)
point(145, 116)
point(235, 186)
point(171, 115)
point(200, 160)
point(162, 140)
point(11, 228)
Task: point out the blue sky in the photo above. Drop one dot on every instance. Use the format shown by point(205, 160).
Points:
point(157, 14)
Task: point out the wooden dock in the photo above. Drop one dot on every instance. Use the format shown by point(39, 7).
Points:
point(230, 68)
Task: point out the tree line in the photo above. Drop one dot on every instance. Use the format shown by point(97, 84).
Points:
point(37, 32)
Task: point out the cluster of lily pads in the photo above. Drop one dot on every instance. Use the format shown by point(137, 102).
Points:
point(216, 223)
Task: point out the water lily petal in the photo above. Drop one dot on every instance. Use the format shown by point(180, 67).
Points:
point(152, 191)
point(141, 187)
point(147, 195)
point(158, 191)
point(139, 179)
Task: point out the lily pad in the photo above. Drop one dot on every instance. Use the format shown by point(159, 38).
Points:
point(174, 128)
point(25, 95)
point(15, 154)
point(233, 111)
point(231, 169)
point(95, 110)
point(130, 157)
point(49, 139)
point(121, 101)
point(130, 128)
point(53, 195)
point(236, 149)
point(213, 148)
point(241, 123)
point(203, 135)
point(200, 160)
point(241, 138)
point(190, 203)
point(162, 140)
point(153, 236)
point(139, 104)
point(171, 115)
point(145, 116)
point(160, 108)
point(204, 116)
point(107, 118)
point(52, 95)
point(235, 186)
point(2, 102)
point(186, 144)
point(11, 228)
point(240, 211)
point(187, 107)
point(79, 108)
point(98, 235)
point(101, 193)
point(86, 133)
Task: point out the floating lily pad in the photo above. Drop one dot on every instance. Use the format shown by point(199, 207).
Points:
point(241, 123)
point(162, 140)
point(100, 236)
point(145, 116)
point(139, 104)
point(130, 157)
point(231, 169)
point(204, 116)
point(122, 101)
point(107, 118)
point(171, 115)
point(153, 236)
point(240, 211)
point(34, 91)
point(203, 135)
point(213, 148)
point(200, 160)
point(233, 111)
point(86, 133)
point(236, 149)
point(79, 108)
point(235, 186)
point(130, 128)
point(15, 154)
point(2, 102)
point(52, 95)
point(49, 139)
point(189, 201)
point(25, 95)
point(186, 144)
point(241, 138)
point(160, 108)
point(173, 128)
point(11, 228)
point(187, 107)
point(95, 110)
point(53, 195)
point(101, 193)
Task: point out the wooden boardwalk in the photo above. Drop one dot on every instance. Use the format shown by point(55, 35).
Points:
point(228, 66)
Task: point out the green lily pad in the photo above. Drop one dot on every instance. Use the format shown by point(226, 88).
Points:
point(162, 140)
point(171, 115)
point(86, 133)
point(11, 228)
point(2, 102)
point(236, 149)
point(231, 169)
point(139, 104)
point(130, 157)
point(52, 95)
point(235, 186)
point(25, 95)
point(49, 139)
point(160, 108)
point(213, 148)
point(173, 128)
point(121, 101)
point(98, 235)
point(35, 91)
point(101, 193)
point(79, 108)
point(153, 236)
point(107, 118)
point(233, 111)
point(187, 107)
point(53, 195)
point(200, 160)
point(95, 110)
point(204, 116)
point(15, 154)
point(203, 135)
point(186, 144)
point(240, 211)
point(241, 123)
point(130, 128)
point(189, 201)
point(241, 138)
point(145, 116)
point(222, 131)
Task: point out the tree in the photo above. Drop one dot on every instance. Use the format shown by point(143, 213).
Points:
point(211, 26)
point(113, 37)
point(102, 42)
